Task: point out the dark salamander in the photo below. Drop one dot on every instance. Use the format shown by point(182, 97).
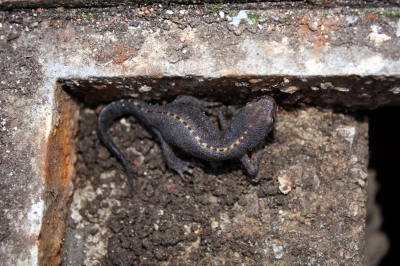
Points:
point(184, 125)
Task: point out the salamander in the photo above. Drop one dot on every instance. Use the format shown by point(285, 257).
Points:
point(184, 125)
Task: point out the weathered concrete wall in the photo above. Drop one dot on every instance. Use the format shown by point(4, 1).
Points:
point(297, 54)
point(14, 4)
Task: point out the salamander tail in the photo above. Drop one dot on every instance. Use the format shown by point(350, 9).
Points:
point(107, 116)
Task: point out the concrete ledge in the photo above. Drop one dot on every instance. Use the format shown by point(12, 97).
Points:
point(338, 56)
point(15, 4)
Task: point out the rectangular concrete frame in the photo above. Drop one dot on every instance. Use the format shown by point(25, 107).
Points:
point(302, 67)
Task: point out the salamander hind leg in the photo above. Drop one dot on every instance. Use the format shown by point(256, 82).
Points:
point(251, 165)
point(172, 161)
point(200, 104)
point(222, 120)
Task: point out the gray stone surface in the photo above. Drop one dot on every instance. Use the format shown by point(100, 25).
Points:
point(339, 56)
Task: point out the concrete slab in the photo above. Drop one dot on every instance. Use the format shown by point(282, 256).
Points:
point(341, 56)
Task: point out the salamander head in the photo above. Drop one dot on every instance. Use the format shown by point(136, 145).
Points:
point(261, 111)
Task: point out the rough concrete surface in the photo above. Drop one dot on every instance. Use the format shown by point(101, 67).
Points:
point(14, 4)
point(299, 55)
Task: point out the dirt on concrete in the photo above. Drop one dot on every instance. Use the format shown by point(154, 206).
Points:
point(218, 216)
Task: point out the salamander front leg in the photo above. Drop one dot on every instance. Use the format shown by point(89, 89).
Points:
point(170, 158)
point(251, 164)
point(190, 100)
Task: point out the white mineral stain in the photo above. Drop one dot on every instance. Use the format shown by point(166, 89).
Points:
point(376, 37)
point(241, 15)
point(313, 65)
